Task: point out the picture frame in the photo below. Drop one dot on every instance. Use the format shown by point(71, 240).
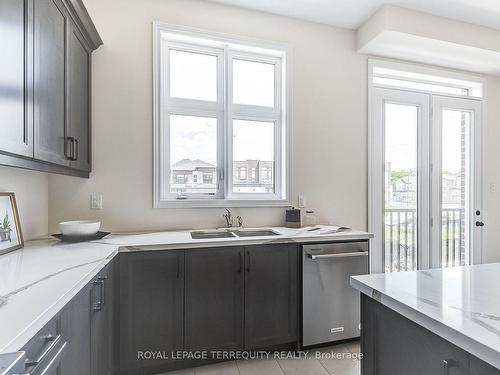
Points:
point(11, 236)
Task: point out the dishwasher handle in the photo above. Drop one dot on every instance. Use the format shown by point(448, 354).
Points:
point(337, 255)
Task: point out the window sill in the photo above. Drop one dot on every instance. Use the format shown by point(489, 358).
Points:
point(220, 203)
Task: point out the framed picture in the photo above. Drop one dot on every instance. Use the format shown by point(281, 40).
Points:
point(11, 237)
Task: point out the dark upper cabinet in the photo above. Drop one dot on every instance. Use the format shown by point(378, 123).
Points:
point(45, 85)
point(16, 135)
point(214, 299)
point(271, 280)
point(78, 125)
point(151, 308)
point(50, 33)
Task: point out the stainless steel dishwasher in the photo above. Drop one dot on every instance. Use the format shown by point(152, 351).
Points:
point(330, 306)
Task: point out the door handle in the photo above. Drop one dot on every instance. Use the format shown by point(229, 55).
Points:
point(339, 255)
point(479, 224)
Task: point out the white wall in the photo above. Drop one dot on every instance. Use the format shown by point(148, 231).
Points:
point(329, 118)
point(31, 189)
point(492, 172)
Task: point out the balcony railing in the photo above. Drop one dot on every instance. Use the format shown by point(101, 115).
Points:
point(401, 239)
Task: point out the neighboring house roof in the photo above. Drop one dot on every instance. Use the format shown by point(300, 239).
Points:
point(191, 165)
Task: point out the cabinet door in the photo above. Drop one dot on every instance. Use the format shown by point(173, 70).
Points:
point(102, 322)
point(270, 295)
point(15, 133)
point(150, 308)
point(50, 30)
point(76, 329)
point(214, 299)
point(478, 367)
point(393, 345)
point(78, 101)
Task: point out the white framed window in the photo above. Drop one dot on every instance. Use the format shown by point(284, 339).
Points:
point(220, 115)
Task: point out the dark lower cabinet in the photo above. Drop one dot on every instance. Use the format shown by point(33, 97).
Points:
point(87, 327)
point(214, 299)
point(271, 280)
point(151, 309)
point(478, 367)
point(145, 308)
point(77, 323)
point(393, 345)
point(102, 306)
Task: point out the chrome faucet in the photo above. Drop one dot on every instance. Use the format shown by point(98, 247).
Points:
point(228, 216)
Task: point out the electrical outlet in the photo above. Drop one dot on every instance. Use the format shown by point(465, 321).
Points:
point(301, 201)
point(96, 201)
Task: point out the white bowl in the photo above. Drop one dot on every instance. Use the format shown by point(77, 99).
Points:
point(79, 227)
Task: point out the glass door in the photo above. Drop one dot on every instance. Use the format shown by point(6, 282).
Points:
point(400, 200)
point(456, 181)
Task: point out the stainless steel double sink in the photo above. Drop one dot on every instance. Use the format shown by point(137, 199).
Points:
point(209, 234)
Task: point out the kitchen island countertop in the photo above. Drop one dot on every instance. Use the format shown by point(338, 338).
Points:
point(460, 304)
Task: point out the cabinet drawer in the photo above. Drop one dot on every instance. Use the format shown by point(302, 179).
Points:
point(45, 350)
point(41, 341)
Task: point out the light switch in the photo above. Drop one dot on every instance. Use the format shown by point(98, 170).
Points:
point(96, 201)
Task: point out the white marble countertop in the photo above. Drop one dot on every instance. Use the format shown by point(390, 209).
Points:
point(460, 304)
point(36, 282)
point(182, 238)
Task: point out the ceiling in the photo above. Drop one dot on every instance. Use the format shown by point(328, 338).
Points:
point(352, 13)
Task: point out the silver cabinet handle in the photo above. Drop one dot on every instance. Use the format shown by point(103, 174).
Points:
point(77, 149)
point(339, 255)
point(98, 305)
point(70, 156)
point(53, 341)
point(103, 289)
